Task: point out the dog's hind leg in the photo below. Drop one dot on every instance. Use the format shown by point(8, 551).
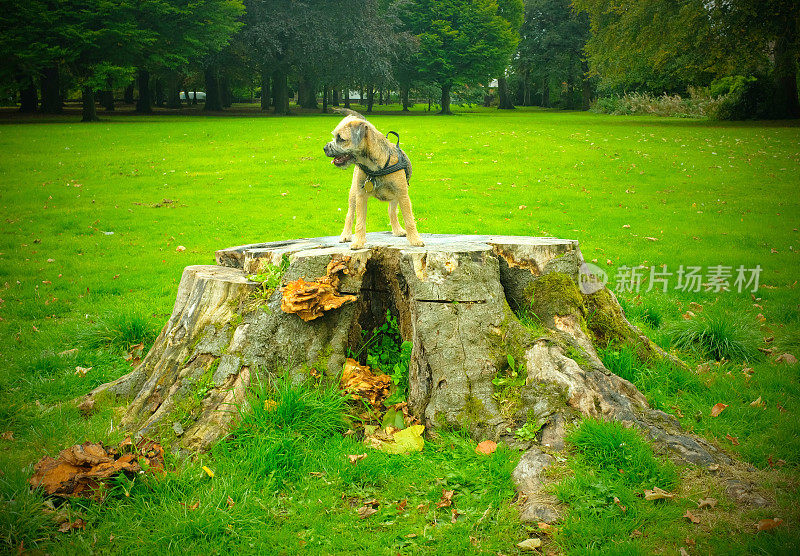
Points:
point(347, 232)
point(397, 229)
point(408, 218)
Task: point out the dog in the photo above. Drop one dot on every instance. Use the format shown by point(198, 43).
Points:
point(381, 170)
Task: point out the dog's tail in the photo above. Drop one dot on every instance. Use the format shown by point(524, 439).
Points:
point(348, 112)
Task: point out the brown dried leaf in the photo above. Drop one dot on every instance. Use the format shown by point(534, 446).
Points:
point(658, 494)
point(768, 524)
point(86, 407)
point(717, 409)
point(8, 435)
point(758, 402)
point(446, 500)
point(311, 299)
point(786, 358)
point(734, 440)
point(487, 447)
point(359, 381)
point(68, 526)
point(355, 458)
point(230, 502)
point(81, 371)
point(688, 515)
point(454, 513)
point(706, 503)
point(530, 544)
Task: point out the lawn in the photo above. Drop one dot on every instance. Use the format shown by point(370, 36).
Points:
point(93, 215)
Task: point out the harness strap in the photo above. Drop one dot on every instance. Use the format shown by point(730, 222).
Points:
point(403, 163)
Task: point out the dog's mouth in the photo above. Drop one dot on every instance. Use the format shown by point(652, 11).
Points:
point(343, 160)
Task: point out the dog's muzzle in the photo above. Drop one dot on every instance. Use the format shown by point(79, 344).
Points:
point(340, 158)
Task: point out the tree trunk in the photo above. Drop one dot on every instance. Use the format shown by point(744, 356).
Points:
point(454, 301)
point(586, 85)
point(194, 98)
point(370, 98)
point(546, 93)
point(159, 92)
point(380, 96)
point(280, 88)
point(213, 96)
point(265, 90)
point(324, 99)
point(786, 101)
point(347, 97)
point(127, 96)
point(51, 91)
point(225, 91)
point(335, 96)
point(174, 85)
point(504, 99)
point(143, 102)
point(28, 98)
point(89, 111)
point(106, 100)
point(445, 100)
point(307, 96)
point(404, 97)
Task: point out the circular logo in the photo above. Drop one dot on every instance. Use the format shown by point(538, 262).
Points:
point(591, 278)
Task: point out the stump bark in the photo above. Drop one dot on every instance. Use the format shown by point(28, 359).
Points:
point(466, 303)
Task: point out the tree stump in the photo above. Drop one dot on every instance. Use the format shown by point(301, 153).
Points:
point(459, 300)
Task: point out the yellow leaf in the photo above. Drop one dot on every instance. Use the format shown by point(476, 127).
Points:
point(405, 441)
point(208, 471)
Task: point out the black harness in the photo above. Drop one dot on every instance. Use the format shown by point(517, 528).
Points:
point(403, 163)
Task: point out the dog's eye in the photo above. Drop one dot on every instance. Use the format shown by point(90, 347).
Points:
point(339, 138)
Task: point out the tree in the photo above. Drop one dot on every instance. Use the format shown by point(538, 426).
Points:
point(512, 11)
point(460, 42)
point(665, 46)
point(550, 54)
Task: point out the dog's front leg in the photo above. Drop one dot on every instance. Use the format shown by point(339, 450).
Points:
point(397, 229)
point(347, 233)
point(361, 219)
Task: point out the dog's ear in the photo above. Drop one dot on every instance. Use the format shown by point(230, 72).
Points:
point(348, 112)
point(358, 130)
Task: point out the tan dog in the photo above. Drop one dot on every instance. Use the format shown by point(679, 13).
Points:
point(382, 171)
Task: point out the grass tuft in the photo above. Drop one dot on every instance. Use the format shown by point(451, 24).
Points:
point(717, 335)
point(119, 330)
point(612, 447)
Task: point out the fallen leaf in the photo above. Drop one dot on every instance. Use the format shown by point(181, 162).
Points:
point(487, 447)
point(79, 470)
point(208, 471)
point(401, 505)
point(365, 511)
point(354, 458)
point(402, 442)
point(530, 544)
point(310, 300)
point(81, 371)
point(67, 352)
point(786, 358)
point(758, 402)
point(68, 526)
point(230, 502)
point(635, 534)
point(8, 435)
point(683, 551)
point(658, 494)
point(717, 409)
point(454, 513)
point(690, 541)
point(86, 407)
point(626, 225)
point(446, 499)
point(180, 248)
point(688, 515)
point(734, 440)
point(706, 503)
point(768, 524)
point(651, 238)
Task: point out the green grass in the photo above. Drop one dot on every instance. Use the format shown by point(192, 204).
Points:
point(709, 193)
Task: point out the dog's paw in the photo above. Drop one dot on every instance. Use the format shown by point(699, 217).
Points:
point(357, 245)
point(399, 233)
point(344, 238)
point(416, 242)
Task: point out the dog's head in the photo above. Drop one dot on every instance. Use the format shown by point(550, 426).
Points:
point(349, 141)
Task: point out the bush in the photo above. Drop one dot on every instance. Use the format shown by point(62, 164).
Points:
point(119, 330)
point(698, 104)
point(743, 98)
